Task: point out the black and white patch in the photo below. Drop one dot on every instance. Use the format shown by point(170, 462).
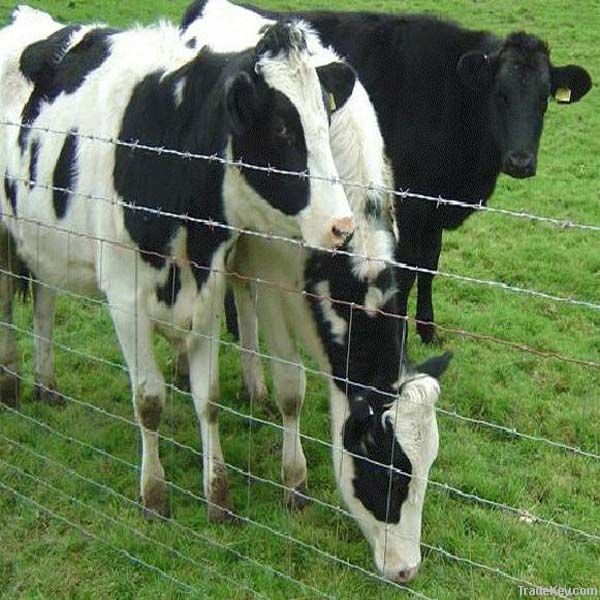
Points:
point(10, 190)
point(54, 68)
point(33, 162)
point(65, 175)
point(169, 292)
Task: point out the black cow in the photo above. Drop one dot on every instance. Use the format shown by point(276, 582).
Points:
point(457, 107)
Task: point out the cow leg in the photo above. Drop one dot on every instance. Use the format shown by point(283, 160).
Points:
point(289, 383)
point(9, 354)
point(134, 331)
point(44, 302)
point(425, 316)
point(203, 357)
point(252, 371)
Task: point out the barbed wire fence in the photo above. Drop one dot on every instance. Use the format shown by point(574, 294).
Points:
point(29, 479)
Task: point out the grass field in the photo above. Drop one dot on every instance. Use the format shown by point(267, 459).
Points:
point(43, 557)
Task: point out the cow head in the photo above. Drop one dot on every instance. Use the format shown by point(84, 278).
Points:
point(392, 445)
point(389, 443)
point(517, 80)
point(279, 111)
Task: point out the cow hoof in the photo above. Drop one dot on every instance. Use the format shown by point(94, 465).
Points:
point(296, 499)
point(47, 395)
point(154, 501)
point(9, 390)
point(427, 333)
point(220, 506)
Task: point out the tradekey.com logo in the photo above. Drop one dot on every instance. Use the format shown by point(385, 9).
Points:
point(558, 592)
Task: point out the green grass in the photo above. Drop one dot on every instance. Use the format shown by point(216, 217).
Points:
point(42, 557)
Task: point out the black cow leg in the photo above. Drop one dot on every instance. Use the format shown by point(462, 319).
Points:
point(425, 317)
point(432, 246)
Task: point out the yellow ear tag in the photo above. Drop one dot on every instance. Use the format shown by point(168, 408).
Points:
point(563, 95)
point(332, 104)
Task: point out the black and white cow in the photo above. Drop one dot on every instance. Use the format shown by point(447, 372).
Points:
point(85, 215)
point(457, 107)
point(383, 419)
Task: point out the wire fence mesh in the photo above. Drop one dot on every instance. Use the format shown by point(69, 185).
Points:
point(247, 467)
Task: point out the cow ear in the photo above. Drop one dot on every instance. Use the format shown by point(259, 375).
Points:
point(435, 367)
point(337, 79)
point(475, 70)
point(569, 84)
point(240, 101)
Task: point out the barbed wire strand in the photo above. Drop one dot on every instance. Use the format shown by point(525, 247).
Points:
point(273, 237)
point(477, 205)
point(510, 431)
point(273, 284)
point(203, 563)
point(233, 515)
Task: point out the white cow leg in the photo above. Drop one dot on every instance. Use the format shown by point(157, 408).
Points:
point(44, 301)
point(289, 382)
point(203, 358)
point(148, 392)
point(9, 355)
point(252, 371)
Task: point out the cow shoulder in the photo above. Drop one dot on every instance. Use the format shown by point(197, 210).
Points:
point(167, 191)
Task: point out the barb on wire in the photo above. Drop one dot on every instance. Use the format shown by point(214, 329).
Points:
point(476, 205)
point(435, 484)
point(270, 236)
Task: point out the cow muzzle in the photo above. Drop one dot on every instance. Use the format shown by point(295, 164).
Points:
point(340, 231)
point(323, 232)
point(519, 164)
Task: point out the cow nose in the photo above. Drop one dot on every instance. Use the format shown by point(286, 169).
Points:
point(407, 575)
point(520, 164)
point(340, 230)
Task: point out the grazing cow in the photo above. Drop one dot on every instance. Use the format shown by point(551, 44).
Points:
point(456, 107)
point(382, 409)
point(85, 215)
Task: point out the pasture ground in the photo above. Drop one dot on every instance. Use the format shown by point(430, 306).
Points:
point(42, 557)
